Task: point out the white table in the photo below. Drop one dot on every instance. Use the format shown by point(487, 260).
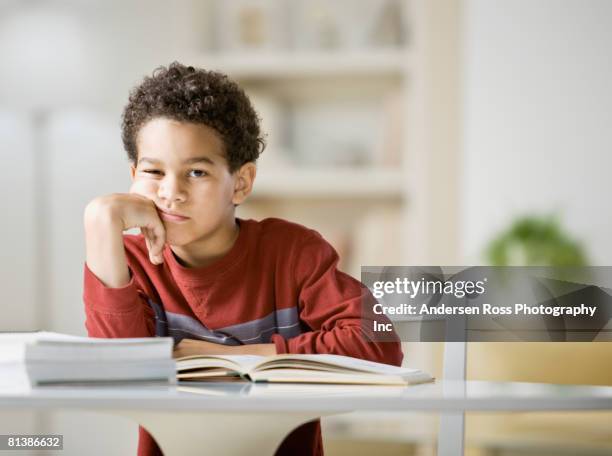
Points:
point(234, 418)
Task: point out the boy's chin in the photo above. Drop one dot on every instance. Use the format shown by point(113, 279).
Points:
point(177, 241)
point(176, 237)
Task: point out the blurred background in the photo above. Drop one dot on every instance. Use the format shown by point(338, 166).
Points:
point(450, 132)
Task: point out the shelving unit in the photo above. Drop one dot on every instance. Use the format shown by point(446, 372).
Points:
point(354, 185)
point(361, 146)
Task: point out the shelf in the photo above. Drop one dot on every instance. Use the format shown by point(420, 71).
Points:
point(338, 183)
point(299, 64)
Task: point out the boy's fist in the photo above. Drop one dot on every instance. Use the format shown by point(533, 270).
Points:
point(124, 211)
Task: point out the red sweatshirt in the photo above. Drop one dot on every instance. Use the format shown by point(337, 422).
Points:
point(278, 284)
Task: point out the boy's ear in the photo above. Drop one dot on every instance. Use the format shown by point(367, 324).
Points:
point(245, 177)
point(132, 171)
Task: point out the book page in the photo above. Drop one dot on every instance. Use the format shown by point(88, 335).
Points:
point(337, 361)
point(239, 363)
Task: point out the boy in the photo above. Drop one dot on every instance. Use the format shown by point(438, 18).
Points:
point(215, 283)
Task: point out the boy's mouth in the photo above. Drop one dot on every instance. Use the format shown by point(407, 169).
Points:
point(171, 217)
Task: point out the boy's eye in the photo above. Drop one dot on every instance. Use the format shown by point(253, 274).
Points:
point(151, 171)
point(197, 173)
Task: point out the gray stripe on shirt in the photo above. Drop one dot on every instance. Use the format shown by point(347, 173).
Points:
point(284, 322)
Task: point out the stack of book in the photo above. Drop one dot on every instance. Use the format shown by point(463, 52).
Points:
point(46, 358)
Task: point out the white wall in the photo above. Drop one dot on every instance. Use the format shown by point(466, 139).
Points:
point(85, 160)
point(538, 118)
point(18, 247)
point(18, 224)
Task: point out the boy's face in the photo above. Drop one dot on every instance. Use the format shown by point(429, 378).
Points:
point(182, 168)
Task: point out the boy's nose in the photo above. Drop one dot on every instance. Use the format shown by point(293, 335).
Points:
point(170, 190)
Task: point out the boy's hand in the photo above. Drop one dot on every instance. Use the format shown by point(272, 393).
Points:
point(130, 210)
point(189, 347)
point(106, 218)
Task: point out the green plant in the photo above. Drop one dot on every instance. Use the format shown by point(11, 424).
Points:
point(535, 241)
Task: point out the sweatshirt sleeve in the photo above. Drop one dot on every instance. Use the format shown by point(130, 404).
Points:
point(116, 312)
point(330, 304)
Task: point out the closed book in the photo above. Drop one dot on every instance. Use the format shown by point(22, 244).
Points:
point(42, 345)
point(47, 357)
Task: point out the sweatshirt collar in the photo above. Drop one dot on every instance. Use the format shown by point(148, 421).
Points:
point(204, 274)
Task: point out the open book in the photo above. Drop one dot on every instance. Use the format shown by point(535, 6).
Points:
point(296, 369)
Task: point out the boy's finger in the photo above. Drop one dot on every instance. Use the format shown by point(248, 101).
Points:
point(158, 240)
point(147, 237)
point(149, 241)
point(145, 234)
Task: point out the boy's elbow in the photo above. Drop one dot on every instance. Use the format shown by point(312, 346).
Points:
point(397, 355)
point(389, 353)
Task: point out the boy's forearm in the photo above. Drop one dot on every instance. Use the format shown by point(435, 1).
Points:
point(255, 349)
point(105, 253)
point(189, 347)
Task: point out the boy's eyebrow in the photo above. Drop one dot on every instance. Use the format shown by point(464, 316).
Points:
point(199, 159)
point(189, 161)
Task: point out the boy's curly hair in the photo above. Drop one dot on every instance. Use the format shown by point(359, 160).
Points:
point(187, 94)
